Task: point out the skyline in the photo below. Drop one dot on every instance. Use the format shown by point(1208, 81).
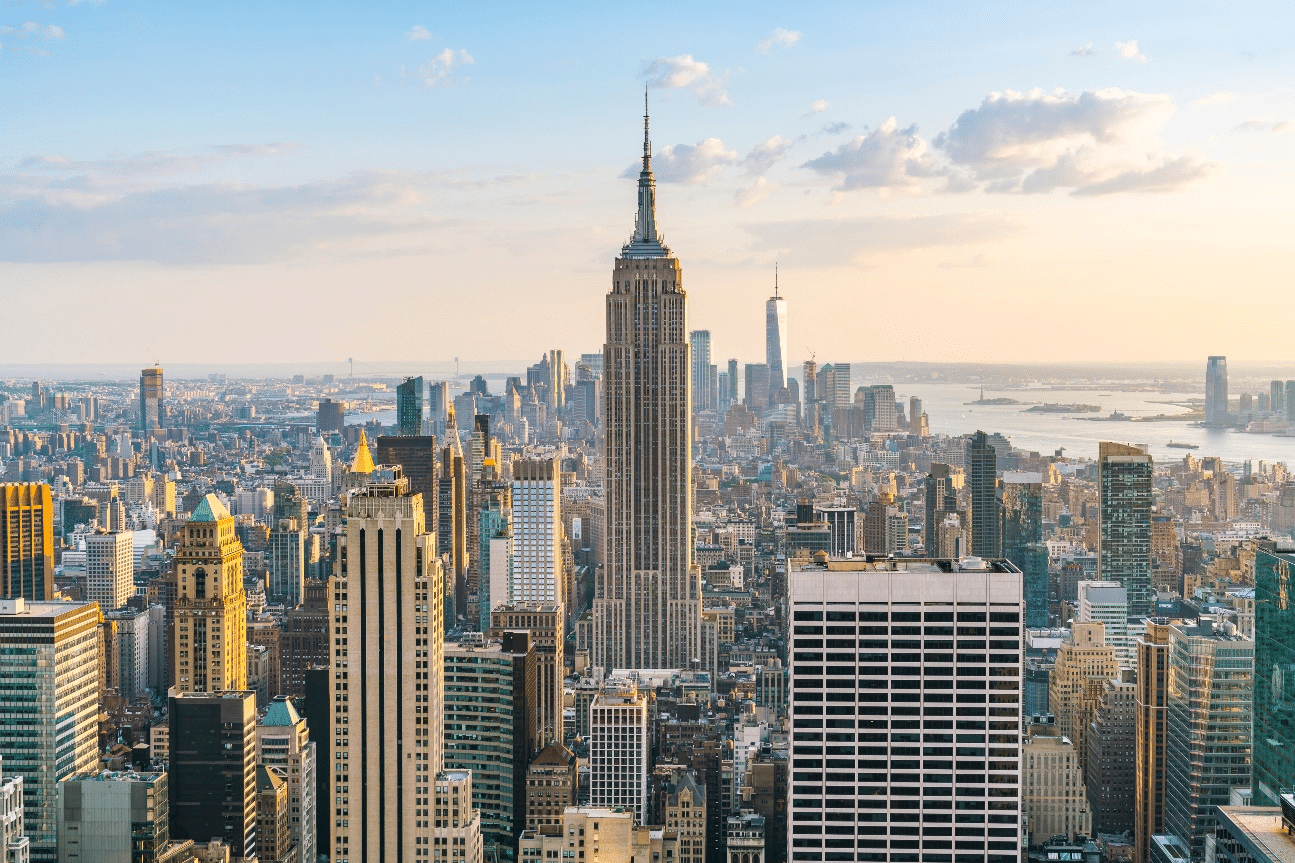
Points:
point(336, 181)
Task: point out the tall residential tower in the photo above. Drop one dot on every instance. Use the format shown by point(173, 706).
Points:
point(647, 603)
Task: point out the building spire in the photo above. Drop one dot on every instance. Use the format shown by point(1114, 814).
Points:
point(646, 242)
point(775, 280)
point(647, 140)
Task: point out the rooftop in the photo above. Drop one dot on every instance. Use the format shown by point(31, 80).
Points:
point(209, 509)
point(1262, 826)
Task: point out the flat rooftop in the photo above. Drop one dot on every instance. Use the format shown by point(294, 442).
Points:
point(885, 563)
point(1262, 826)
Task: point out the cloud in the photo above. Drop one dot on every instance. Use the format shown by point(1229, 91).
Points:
point(47, 32)
point(200, 224)
point(1083, 51)
point(1129, 51)
point(688, 163)
point(1270, 126)
point(765, 155)
point(836, 128)
point(418, 33)
point(1090, 143)
point(437, 70)
point(842, 241)
point(155, 163)
point(685, 73)
point(886, 157)
point(758, 191)
point(1219, 98)
point(778, 38)
point(817, 107)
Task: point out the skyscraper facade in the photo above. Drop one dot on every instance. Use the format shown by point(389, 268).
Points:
point(775, 339)
point(1149, 736)
point(1216, 391)
point(537, 574)
point(109, 569)
point(1124, 516)
point(703, 397)
point(152, 412)
point(210, 648)
point(900, 689)
point(213, 768)
point(49, 662)
point(1210, 711)
point(388, 727)
point(409, 407)
point(1022, 514)
point(982, 478)
point(1274, 736)
point(620, 748)
point(26, 540)
point(647, 600)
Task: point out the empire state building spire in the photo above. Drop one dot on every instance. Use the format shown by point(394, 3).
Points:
point(646, 242)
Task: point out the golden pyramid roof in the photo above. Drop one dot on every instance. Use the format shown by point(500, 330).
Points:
point(363, 458)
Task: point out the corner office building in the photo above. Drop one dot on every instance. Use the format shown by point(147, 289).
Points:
point(906, 692)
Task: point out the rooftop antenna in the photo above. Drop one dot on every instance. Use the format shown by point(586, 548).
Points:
point(647, 143)
point(775, 280)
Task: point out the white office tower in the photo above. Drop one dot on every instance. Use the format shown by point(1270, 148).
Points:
point(1107, 602)
point(321, 460)
point(110, 569)
point(284, 747)
point(906, 693)
point(536, 533)
point(13, 835)
point(458, 825)
point(388, 657)
point(618, 748)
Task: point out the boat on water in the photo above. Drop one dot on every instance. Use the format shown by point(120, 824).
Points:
point(1179, 445)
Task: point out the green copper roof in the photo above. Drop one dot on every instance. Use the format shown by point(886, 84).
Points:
point(281, 712)
point(210, 509)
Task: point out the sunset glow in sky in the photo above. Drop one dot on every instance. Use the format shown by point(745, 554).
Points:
point(941, 182)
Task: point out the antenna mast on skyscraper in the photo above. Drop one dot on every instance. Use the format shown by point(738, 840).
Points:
point(775, 280)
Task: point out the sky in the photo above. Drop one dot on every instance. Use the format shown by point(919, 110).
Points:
point(413, 182)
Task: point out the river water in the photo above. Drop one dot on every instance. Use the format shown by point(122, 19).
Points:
point(947, 410)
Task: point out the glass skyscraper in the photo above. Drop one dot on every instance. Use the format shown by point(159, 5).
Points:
point(1216, 391)
point(982, 477)
point(775, 339)
point(1124, 540)
point(1274, 736)
point(409, 407)
point(1022, 511)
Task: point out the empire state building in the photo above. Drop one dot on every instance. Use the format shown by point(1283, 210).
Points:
point(647, 603)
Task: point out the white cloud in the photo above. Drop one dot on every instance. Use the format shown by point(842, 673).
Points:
point(765, 155)
point(692, 163)
point(685, 73)
point(113, 169)
point(780, 38)
point(418, 33)
point(817, 107)
point(887, 157)
point(437, 70)
point(48, 32)
point(1269, 126)
point(1084, 51)
point(1090, 143)
point(1219, 98)
point(1129, 51)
